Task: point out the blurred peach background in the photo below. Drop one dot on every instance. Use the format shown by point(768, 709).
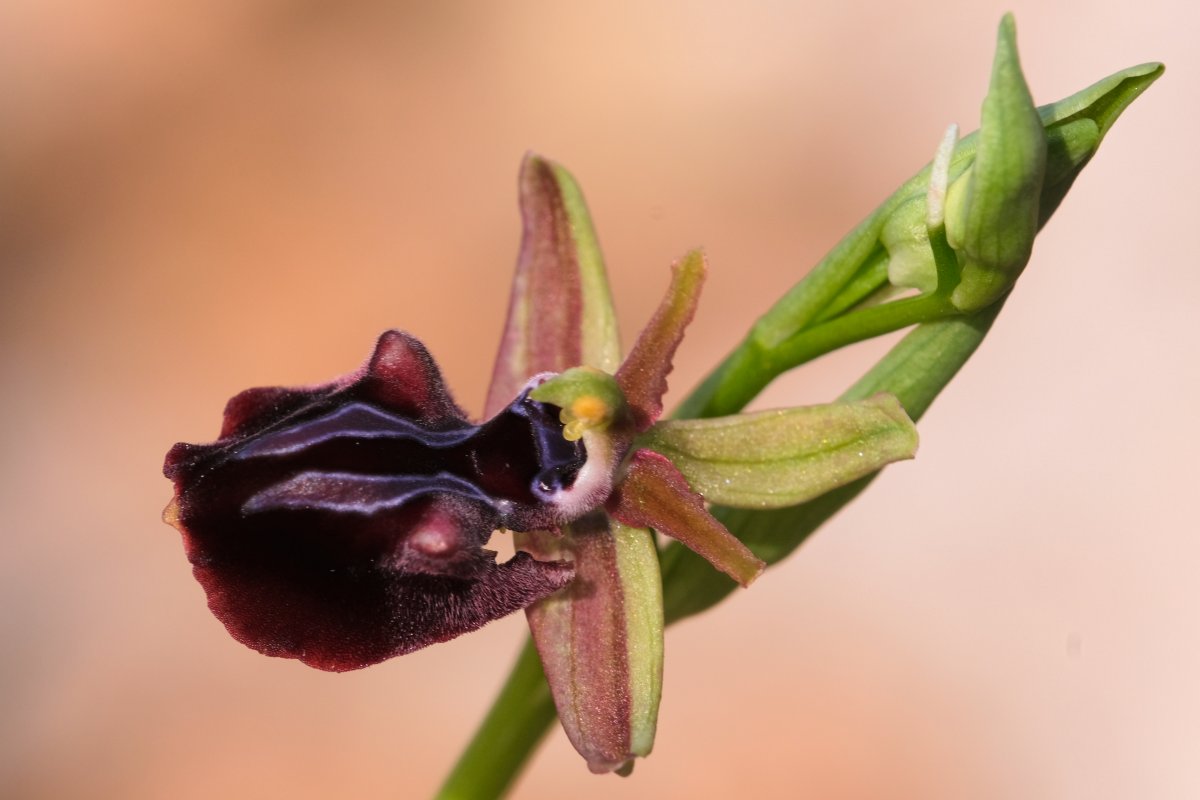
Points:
point(198, 198)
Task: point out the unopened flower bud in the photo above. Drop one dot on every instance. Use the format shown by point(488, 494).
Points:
point(992, 210)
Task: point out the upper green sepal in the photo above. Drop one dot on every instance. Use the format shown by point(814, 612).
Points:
point(560, 311)
point(773, 459)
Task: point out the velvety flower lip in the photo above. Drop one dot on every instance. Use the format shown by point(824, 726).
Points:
point(343, 524)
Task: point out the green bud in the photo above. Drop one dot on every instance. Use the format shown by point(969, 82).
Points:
point(910, 258)
point(992, 212)
point(993, 252)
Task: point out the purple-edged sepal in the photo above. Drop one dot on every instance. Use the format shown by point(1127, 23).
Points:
point(600, 639)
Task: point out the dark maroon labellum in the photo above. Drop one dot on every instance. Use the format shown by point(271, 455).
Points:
point(344, 524)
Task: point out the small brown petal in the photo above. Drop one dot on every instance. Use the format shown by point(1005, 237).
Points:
point(655, 495)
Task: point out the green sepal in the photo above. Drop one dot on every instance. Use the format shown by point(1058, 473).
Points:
point(560, 311)
point(773, 459)
point(601, 638)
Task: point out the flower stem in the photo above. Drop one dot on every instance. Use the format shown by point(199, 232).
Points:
point(519, 718)
point(749, 368)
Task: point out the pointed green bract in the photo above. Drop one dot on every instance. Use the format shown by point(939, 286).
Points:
point(773, 459)
point(1105, 100)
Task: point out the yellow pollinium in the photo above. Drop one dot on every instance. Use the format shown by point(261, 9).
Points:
point(586, 412)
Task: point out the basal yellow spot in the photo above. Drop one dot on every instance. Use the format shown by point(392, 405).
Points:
point(171, 513)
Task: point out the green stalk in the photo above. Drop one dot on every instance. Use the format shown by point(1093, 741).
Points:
point(745, 374)
point(519, 718)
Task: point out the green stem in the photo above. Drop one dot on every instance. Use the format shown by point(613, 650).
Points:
point(871, 277)
point(750, 367)
point(508, 735)
point(854, 327)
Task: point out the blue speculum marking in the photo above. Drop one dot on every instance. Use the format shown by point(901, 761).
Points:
point(347, 492)
point(357, 458)
point(352, 421)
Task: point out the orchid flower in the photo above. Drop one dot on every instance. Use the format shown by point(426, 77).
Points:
point(344, 523)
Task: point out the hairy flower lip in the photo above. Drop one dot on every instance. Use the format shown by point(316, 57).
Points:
point(344, 523)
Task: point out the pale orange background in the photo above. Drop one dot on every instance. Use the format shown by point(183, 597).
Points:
point(198, 199)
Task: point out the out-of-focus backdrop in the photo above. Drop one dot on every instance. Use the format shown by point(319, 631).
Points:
point(198, 198)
